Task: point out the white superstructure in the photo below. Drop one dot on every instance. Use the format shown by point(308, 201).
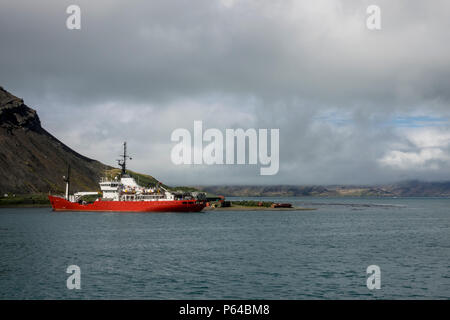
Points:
point(126, 189)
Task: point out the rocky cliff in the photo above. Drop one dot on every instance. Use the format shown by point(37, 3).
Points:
point(32, 160)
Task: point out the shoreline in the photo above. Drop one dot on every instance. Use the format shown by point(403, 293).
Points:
point(248, 208)
point(25, 205)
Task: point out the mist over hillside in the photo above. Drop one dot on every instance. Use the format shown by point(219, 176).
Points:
point(34, 161)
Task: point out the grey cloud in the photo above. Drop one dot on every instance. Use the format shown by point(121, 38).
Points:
point(138, 70)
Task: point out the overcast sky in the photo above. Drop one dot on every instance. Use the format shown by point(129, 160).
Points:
point(354, 106)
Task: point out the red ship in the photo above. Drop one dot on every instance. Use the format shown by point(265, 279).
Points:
point(124, 194)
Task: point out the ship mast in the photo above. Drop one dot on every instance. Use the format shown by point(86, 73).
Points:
point(123, 161)
point(67, 180)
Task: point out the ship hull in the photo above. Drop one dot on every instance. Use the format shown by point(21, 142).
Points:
point(61, 204)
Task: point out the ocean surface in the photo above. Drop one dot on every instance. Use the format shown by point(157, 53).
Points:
point(321, 254)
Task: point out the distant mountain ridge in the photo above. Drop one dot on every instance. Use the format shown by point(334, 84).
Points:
point(411, 188)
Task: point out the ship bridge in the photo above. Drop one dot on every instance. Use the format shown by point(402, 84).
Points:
point(110, 188)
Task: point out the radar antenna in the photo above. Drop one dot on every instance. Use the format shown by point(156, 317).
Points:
point(123, 161)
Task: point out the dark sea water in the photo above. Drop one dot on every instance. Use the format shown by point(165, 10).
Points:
point(320, 254)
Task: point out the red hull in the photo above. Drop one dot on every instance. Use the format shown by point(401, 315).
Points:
point(61, 204)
